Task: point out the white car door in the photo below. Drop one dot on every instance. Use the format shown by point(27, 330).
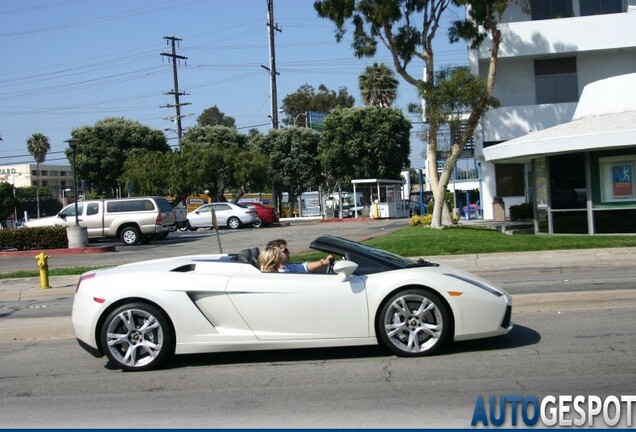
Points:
point(293, 306)
point(202, 217)
point(68, 214)
point(222, 213)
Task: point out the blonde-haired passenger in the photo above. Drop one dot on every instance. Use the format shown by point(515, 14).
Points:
point(270, 259)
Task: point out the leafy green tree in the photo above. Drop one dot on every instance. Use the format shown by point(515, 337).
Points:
point(103, 148)
point(378, 86)
point(407, 28)
point(294, 166)
point(369, 142)
point(7, 201)
point(295, 105)
point(38, 145)
point(220, 160)
point(214, 117)
point(148, 171)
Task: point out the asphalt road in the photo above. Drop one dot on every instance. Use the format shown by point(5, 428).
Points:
point(55, 384)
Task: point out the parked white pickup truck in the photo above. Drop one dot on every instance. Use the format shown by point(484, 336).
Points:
point(132, 220)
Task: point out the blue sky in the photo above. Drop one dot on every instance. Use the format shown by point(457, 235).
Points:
point(71, 63)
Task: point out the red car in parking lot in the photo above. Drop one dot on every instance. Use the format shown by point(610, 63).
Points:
point(267, 215)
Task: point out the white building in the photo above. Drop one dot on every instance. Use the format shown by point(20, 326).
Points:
point(548, 55)
point(57, 178)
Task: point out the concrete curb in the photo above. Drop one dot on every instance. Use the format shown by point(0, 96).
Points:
point(53, 252)
point(17, 329)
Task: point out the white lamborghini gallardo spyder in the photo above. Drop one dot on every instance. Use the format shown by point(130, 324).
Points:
point(141, 314)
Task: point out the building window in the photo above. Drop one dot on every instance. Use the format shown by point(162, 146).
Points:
point(548, 9)
point(556, 80)
point(598, 7)
point(466, 169)
point(34, 172)
point(510, 179)
point(44, 172)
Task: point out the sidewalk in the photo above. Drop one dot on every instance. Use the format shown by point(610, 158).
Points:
point(15, 290)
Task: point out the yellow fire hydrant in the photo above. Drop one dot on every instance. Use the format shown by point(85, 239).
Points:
point(43, 263)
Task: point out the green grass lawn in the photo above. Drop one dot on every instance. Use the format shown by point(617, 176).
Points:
point(421, 241)
point(424, 241)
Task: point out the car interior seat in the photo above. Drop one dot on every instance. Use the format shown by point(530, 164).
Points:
point(255, 253)
point(249, 256)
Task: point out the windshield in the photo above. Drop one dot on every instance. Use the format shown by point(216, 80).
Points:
point(369, 259)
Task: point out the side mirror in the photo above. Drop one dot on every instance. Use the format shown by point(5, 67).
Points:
point(344, 269)
point(61, 216)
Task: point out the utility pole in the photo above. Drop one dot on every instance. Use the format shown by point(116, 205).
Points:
point(272, 61)
point(174, 57)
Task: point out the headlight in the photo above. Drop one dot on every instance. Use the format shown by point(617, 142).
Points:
point(475, 283)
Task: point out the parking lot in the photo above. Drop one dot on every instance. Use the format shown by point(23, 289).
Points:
point(298, 233)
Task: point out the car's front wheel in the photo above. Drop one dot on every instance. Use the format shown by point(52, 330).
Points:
point(234, 222)
point(414, 322)
point(137, 336)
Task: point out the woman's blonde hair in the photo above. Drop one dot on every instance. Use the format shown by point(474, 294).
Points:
point(269, 259)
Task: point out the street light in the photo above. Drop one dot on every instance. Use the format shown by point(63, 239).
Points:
point(72, 143)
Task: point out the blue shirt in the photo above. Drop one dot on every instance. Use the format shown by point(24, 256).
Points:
point(294, 268)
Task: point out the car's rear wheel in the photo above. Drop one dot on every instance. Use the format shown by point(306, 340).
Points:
point(234, 222)
point(414, 322)
point(129, 236)
point(137, 336)
point(258, 223)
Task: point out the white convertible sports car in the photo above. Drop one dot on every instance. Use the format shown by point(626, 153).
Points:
point(140, 314)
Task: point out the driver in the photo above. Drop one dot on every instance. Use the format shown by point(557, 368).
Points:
point(287, 267)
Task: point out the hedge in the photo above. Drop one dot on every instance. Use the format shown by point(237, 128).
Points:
point(34, 238)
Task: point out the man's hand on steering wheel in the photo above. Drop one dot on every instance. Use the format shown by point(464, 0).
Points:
point(331, 261)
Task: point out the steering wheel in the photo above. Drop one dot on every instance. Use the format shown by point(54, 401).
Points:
point(330, 266)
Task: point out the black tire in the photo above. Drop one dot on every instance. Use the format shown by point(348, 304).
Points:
point(258, 223)
point(414, 323)
point(233, 222)
point(129, 236)
point(137, 337)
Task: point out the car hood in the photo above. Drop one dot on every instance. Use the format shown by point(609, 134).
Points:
point(45, 221)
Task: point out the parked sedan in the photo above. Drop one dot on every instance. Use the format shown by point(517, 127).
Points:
point(141, 314)
point(227, 214)
point(267, 215)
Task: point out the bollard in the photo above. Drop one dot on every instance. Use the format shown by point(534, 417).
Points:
point(43, 264)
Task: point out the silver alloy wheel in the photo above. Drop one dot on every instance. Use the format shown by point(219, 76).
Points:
point(233, 222)
point(130, 236)
point(413, 323)
point(134, 338)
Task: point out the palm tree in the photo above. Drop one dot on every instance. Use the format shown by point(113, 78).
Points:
point(378, 85)
point(38, 145)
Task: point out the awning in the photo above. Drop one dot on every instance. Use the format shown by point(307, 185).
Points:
point(609, 131)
